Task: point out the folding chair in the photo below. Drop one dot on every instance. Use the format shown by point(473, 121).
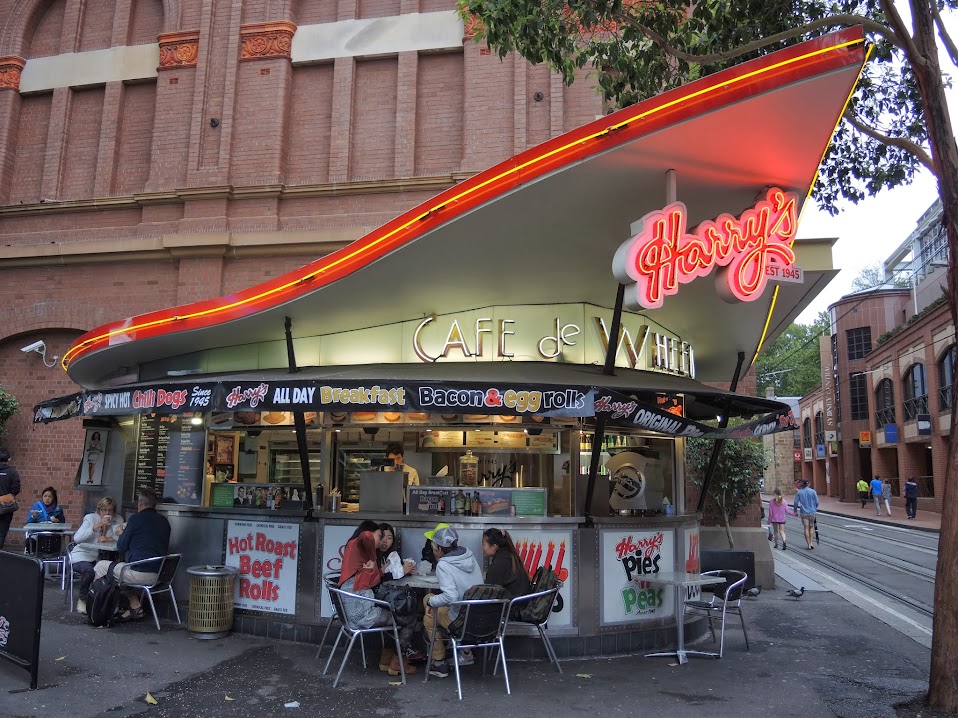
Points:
point(726, 600)
point(352, 631)
point(483, 626)
point(515, 606)
point(162, 584)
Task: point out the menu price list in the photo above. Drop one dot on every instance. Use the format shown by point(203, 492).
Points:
point(170, 457)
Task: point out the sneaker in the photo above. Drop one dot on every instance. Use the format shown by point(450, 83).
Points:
point(465, 658)
point(81, 606)
point(439, 669)
point(413, 656)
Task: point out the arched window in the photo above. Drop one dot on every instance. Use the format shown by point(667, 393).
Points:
point(807, 434)
point(916, 392)
point(946, 379)
point(885, 403)
point(819, 429)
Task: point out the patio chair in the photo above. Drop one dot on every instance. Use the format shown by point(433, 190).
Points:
point(516, 606)
point(162, 584)
point(726, 600)
point(331, 579)
point(483, 626)
point(48, 547)
point(352, 631)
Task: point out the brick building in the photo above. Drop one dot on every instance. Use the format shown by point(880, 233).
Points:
point(888, 371)
point(160, 152)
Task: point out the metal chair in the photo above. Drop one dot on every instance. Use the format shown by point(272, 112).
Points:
point(332, 579)
point(726, 600)
point(48, 547)
point(162, 584)
point(352, 631)
point(515, 606)
point(483, 626)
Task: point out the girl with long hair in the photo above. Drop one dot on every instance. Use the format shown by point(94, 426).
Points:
point(505, 567)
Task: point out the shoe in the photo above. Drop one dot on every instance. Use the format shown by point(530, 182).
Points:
point(393, 668)
point(776, 544)
point(81, 606)
point(385, 658)
point(439, 670)
point(131, 614)
point(466, 658)
point(413, 656)
point(784, 547)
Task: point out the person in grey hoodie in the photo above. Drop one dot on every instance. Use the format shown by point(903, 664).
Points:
point(457, 571)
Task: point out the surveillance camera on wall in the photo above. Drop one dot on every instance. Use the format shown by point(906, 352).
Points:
point(38, 346)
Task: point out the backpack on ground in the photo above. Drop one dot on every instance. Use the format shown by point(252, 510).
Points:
point(537, 610)
point(103, 599)
point(483, 620)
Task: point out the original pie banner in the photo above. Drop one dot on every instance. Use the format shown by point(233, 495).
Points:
point(622, 410)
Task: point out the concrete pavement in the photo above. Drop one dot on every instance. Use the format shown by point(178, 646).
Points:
point(924, 521)
point(815, 656)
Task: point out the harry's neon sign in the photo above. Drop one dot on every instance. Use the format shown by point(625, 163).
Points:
point(662, 255)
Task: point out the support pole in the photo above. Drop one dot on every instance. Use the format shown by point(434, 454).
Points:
point(599, 435)
point(719, 443)
point(299, 421)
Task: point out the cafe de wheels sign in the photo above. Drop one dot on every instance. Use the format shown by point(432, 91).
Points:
point(748, 251)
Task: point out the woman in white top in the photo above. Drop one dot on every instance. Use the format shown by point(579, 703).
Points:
point(99, 527)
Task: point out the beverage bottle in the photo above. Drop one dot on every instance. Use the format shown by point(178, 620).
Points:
point(460, 503)
point(476, 505)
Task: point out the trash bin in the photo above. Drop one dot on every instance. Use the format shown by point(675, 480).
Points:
point(211, 601)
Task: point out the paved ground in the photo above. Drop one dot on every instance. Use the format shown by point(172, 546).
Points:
point(816, 656)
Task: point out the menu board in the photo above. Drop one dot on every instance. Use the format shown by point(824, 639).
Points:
point(170, 458)
point(462, 501)
point(221, 495)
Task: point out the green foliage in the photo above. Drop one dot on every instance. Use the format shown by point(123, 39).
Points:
point(637, 49)
point(735, 484)
point(873, 277)
point(792, 363)
point(8, 407)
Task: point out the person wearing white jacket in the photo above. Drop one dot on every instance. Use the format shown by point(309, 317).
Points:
point(457, 571)
point(98, 527)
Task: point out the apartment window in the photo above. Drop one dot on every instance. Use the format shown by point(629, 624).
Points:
point(885, 403)
point(946, 379)
point(858, 395)
point(819, 429)
point(916, 392)
point(859, 342)
point(807, 434)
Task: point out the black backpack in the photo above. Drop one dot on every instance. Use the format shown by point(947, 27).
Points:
point(483, 620)
point(103, 599)
point(537, 610)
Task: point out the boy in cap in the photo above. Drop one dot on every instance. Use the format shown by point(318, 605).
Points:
point(457, 570)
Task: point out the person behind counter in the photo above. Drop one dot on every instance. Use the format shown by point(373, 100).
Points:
point(394, 451)
point(360, 575)
point(505, 566)
point(98, 527)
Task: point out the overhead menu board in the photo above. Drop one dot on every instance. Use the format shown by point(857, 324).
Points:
point(170, 457)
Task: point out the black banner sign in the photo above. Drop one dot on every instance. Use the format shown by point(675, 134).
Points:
point(21, 610)
point(159, 399)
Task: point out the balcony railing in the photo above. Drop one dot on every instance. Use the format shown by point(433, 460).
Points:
point(885, 416)
point(946, 399)
point(915, 406)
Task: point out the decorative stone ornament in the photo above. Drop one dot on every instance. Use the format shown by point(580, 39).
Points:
point(267, 40)
point(11, 67)
point(178, 49)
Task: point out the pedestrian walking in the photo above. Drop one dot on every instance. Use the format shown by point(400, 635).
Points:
point(9, 488)
point(863, 491)
point(876, 489)
point(806, 505)
point(777, 508)
point(886, 495)
point(911, 497)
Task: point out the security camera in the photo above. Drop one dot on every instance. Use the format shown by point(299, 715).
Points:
point(35, 347)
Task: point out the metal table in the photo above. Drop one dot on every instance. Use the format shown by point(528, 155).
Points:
point(43, 526)
point(681, 581)
point(414, 580)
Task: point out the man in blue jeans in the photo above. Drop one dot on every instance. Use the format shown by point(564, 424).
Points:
point(806, 506)
point(877, 491)
point(911, 497)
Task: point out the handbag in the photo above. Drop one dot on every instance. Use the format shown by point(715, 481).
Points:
point(770, 532)
point(402, 600)
point(8, 504)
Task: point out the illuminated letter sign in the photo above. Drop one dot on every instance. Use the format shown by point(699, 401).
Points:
point(662, 254)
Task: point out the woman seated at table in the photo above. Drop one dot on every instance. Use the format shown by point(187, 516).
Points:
point(360, 575)
point(98, 527)
point(46, 510)
point(505, 566)
point(387, 544)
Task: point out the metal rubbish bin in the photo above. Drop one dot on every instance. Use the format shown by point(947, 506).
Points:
point(211, 601)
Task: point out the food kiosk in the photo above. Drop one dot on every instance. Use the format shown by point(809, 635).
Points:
point(573, 312)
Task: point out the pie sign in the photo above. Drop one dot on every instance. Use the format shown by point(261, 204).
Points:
point(663, 254)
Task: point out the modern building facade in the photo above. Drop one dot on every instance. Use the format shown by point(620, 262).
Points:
point(884, 406)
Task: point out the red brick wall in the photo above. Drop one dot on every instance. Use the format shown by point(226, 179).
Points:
point(146, 21)
point(377, 8)
point(97, 25)
point(46, 41)
point(135, 138)
point(372, 154)
point(29, 148)
point(309, 12)
point(310, 124)
point(82, 144)
point(439, 103)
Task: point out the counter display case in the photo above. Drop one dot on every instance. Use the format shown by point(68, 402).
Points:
point(463, 501)
point(285, 466)
point(351, 462)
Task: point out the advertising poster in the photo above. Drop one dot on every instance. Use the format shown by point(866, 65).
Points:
point(625, 556)
point(539, 548)
point(94, 449)
point(693, 562)
point(267, 556)
point(334, 549)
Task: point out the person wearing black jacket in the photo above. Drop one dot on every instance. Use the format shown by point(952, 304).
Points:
point(505, 566)
point(9, 484)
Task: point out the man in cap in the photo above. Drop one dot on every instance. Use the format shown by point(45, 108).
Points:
point(457, 570)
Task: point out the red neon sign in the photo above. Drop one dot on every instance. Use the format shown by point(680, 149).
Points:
point(662, 254)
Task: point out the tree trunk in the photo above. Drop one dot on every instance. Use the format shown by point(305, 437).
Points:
point(728, 529)
point(943, 683)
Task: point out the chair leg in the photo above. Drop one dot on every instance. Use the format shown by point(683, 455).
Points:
point(505, 668)
point(332, 653)
point(325, 633)
point(149, 597)
point(744, 630)
point(399, 655)
point(343, 664)
point(362, 645)
point(455, 663)
point(549, 649)
point(176, 609)
point(432, 642)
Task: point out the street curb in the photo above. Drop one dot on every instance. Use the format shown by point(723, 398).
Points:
point(914, 527)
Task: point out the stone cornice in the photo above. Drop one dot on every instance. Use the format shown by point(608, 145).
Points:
point(178, 49)
point(280, 191)
point(11, 67)
point(267, 40)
